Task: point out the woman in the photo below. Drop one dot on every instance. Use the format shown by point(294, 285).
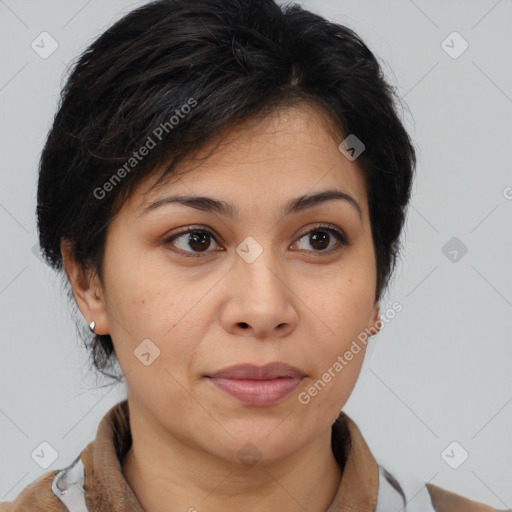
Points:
point(224, 186)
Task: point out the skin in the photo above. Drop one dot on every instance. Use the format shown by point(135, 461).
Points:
point(294, 304)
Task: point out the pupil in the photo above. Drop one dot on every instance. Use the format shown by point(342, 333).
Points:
point(196, 238)
point(322, 237)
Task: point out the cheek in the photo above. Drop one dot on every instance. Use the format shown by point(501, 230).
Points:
point(341, 333)
point(142, 295)
point(163, 311)
point(348, 305)
point(155, 349)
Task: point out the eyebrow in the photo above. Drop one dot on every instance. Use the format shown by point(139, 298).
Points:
point(209, 204)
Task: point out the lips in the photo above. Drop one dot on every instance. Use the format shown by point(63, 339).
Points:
point(258, 385)
point(250, 371)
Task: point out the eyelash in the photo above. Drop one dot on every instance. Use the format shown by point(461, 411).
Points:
point(342, 240)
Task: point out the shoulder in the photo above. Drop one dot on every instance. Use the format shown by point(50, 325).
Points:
point(446, 501)
point(398, 494)
point(36, 497)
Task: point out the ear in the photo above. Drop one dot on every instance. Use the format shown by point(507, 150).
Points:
point(87, 290)
point(375, 324)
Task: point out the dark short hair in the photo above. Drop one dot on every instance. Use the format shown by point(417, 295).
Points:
point(179, 72)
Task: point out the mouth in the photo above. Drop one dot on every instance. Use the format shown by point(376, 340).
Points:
point(258, 385)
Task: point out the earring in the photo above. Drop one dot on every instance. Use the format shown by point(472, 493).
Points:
point(92, 325)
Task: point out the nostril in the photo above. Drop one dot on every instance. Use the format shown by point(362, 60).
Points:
point(244, 325)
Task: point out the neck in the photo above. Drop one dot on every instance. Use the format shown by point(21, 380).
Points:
point(166, 474)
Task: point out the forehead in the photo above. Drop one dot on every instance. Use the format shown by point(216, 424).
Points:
point(287, 153)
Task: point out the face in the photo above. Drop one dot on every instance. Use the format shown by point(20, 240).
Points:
point(252, 284)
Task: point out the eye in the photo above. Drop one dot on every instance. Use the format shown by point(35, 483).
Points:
point(320, 238)
point(199, 240)
point(195, 242)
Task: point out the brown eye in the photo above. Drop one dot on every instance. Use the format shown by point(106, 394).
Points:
point(195, 242)
point(192, 241)
point(324, 239)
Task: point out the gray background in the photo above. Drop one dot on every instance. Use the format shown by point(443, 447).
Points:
point(439, 372)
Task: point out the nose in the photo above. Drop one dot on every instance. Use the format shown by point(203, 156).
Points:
point(261, 302)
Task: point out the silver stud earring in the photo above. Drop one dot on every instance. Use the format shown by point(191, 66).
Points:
point(92, 325)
